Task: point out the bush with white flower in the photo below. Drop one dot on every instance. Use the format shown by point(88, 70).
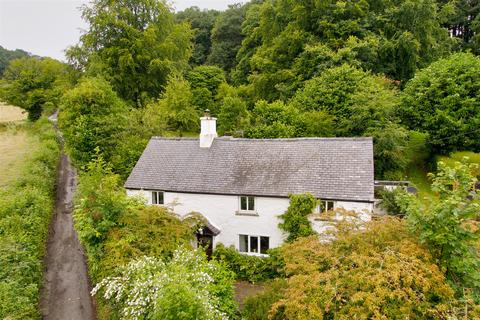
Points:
point(187, 286)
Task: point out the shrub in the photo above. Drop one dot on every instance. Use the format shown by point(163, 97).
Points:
point(26, 208)
point(378, 271)
point(250, 268)
point(186, 286)
point(447, 226)
point(257, 307)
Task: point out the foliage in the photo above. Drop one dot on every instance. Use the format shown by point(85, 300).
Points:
point(295, 219)
point(202, 22)
point(447, 226)
point(8, 55)
point(175, 107)
point(443, 100)
point(26, 207)
point(377, 271)
point(257, 306)
point(464, 23)
point(134, 44)
point(227, 37)
point(249, 268)
point(390, 203)
point(91, 119)
point(273, 120)
point(33, 84)
point(152, 230)
point(288, 42)
point(99, 204)
point(205, 82)
point(184, 287)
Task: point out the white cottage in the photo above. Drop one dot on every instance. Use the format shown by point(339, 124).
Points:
point(241, 186)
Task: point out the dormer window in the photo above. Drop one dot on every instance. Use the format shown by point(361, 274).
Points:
point(157, 197)
point(247, 204)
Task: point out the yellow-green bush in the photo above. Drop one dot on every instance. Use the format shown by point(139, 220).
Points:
point(378, 271)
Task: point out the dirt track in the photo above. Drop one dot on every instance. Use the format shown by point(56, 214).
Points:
point(66, 287)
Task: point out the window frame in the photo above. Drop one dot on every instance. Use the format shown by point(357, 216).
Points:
point(249, 243)
point(250, 202)
point(157, 194)
point(324, 204)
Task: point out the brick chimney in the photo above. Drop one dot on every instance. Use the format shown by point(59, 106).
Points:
point(208, 130)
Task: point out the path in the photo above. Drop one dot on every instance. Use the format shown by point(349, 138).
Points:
point(66, 291)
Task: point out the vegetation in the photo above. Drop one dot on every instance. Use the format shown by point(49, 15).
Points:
point(134, 44)
point(26, 206)
point(447, 226)
point(250, 268)
point(295, 219)
point(15, 147)
point(396, 71)
point(35, 84)
point(186, 286)
point(434, 99)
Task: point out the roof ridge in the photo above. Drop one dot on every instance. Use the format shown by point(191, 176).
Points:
point(229, 138)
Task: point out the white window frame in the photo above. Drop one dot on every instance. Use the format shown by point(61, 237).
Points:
point(249, 236)
point(324, 204)
point(247, 211)
point(157, 197)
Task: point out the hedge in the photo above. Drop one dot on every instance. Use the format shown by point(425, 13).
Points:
point(26, 208)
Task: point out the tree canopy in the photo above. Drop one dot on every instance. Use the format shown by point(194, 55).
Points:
point(134, 44)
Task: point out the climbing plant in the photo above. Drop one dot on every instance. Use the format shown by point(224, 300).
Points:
point(295, 220)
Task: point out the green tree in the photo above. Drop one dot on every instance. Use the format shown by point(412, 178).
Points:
point(443, 100)
point(176, 106)
point(202, 22)
point(447, 226)
point(8, 55)
point(273, 120)
point(33, 84)
point(134, 44)
point(92, 117)
point(227, 37)
point(295, 219)
point(394, 38)
point(205, 82)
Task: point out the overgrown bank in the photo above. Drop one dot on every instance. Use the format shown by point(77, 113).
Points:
point(26, 207)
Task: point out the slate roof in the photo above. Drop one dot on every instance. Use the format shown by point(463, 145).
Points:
point(329, 168)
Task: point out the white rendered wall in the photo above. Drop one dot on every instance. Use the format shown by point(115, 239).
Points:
point(222, 212)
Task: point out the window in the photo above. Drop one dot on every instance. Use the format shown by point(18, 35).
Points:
point(254, 244)
point(326, 205)
point(157, 197)
point(247, 203)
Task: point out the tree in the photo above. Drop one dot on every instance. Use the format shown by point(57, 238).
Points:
point(394, 38)
point(205, 82)
point(33, 84)
point(273, 120)
point(443, 100)
point(92, 118)
point(134, 44)
point(202, 22)
point(187, 286)
point(8, 55)
point(227, 37)
point(447, 226)
point(176, 106)
point(295, 219)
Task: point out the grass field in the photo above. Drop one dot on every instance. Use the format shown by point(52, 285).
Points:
point(15, 147)
point(11, 113)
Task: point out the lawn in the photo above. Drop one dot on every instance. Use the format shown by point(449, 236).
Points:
point(11, 113)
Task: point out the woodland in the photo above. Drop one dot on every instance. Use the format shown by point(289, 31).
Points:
point(405, 72)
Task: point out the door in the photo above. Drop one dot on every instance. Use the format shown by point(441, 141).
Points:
point(206, 242)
